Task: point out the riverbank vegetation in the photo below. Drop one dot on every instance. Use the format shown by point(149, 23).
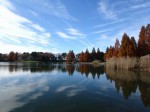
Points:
point(130, 54)
point(86, 56)
point(69, 57)
point(32, 57)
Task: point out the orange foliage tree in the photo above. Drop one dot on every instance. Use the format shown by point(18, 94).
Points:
point(86, 56)
point(123, 47)
point(12, 56)
point(116, 48)
point(148, 37)
point(129, 47)
point(70, 56)
point(142, 45)
point(81, 56)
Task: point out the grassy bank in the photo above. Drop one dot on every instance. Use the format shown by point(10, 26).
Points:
point(128, 63)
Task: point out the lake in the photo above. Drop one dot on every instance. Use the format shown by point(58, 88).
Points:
point(41, 87)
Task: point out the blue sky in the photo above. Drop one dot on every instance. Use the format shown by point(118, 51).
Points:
point(61, 25)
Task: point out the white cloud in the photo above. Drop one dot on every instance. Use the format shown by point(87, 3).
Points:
point(33, 13)
point(105, 41)
point(64, 88)
point(110, 23)
point(141, 5)
point(14, 91)
point(54, 8)
point(17, 32)
point(39, 28)
point(7, 4)
point(76, 35)
point(102, 31)
point(19, 27)
point(64, 35)
point(106, 10)
point(72, 33)
point(86, 43)
point(74, 92)
point(61, 11)
point(75, 32)
point(6, 48)
point(71, 90)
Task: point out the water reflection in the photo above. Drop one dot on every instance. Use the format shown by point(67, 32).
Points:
point(70, 68)
point(84, 69)
point(88, 69)
point(34, 86)
point(128, 82)
point(17, 92)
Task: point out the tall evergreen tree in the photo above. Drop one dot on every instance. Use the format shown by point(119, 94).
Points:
point(98, 55)
point(93, 54)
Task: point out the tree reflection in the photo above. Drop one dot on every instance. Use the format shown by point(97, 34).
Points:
point(70, 68)
point(13, 67)
point(128, 82)
point(84, 69)
point(90, 69)
point(34, 67)
point(144, 87)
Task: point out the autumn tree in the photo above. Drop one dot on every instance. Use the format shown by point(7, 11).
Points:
point(11, 56)
point(70, 56)
point(147, 38)
point(81, 57)
point(134, 46)
point(116, 48)
point(142, 46)
point(131, 51)
point(110, 52)
point(70, 69)
point(123, 46)
point(86, 56)
point(106, 53)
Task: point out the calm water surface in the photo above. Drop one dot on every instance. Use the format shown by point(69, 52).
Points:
point(72, 88)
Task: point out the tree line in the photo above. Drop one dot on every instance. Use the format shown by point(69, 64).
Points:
point(85, 56)
point(129, 47)
point(33, 56)
point(45, 56)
